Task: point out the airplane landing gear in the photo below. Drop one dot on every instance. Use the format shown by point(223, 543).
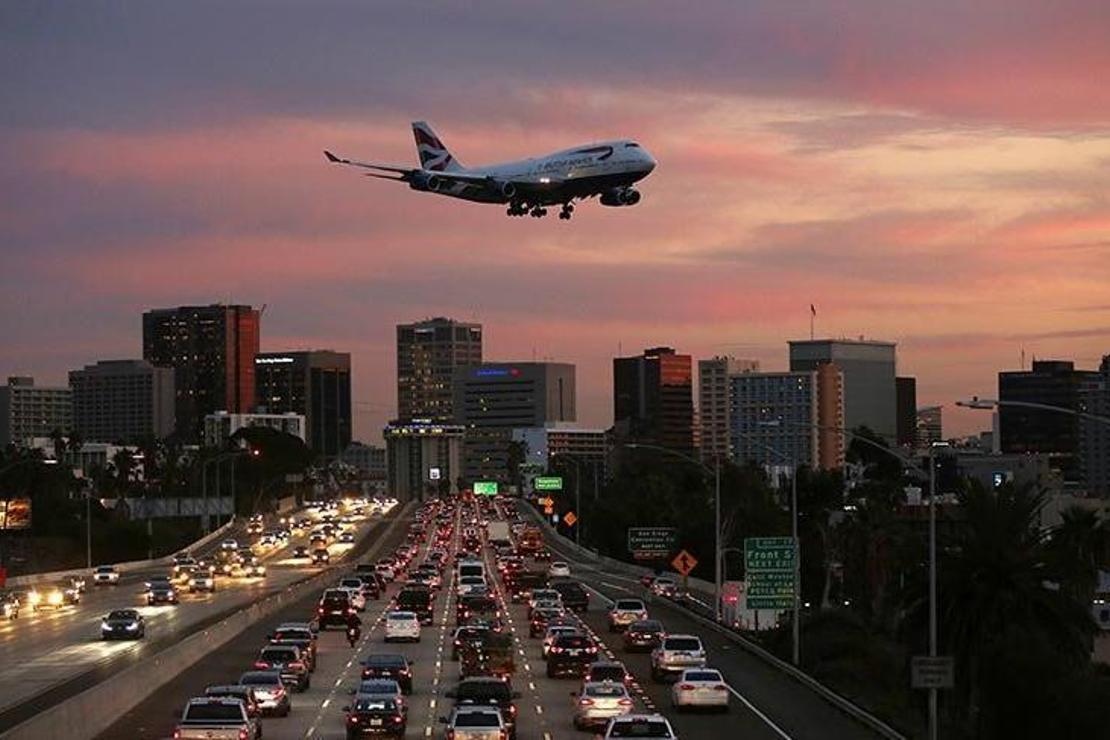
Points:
point(565, 214)
point(538, 212)
point(516, 209)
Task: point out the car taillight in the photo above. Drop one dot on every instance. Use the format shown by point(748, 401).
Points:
point(721, 687)
point(243, 734)
point(586, 702)
point(398, 718)
point(686, 687)
point(320, 610)
point(625, 702)
point(177, 734)
point(261, 664)
point(554, 649)
point(298, 665)
point(591, 650)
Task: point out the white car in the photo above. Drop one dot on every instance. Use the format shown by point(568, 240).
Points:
point(675, 654)
point(640, 725)
point(229, 545)
point(559, 569)
point(541, 597)
point(106, 575)
point(470, 584)
point(358, 600)
point(664, 586)
point(700, 687)
point(385, 570)
point(402, 626)
point(598, 702)
point(625, 612)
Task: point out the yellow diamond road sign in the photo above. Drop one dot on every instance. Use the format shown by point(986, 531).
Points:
point(569, 518)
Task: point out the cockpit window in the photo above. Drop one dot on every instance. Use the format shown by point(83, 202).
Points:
point(631, 144)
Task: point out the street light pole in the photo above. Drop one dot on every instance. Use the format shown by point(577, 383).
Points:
point(797, 622)
point(88, 528)
point(933, 581)
point(717, 534)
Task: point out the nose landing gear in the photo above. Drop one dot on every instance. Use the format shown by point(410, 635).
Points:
point(566, 212)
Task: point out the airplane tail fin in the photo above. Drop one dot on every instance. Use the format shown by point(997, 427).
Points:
point(433, 154)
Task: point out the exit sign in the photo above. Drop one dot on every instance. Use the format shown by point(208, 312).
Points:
point(485, 488)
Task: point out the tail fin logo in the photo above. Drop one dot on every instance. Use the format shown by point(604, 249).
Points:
point(433, 154)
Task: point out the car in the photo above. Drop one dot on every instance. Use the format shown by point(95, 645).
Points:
point(541, 556)
point(488, 691)
point(607, 670)
point(559, 569)
point(182, 562)
point(105, 575)
point(334, 608)
point(574, 596)
point(640, 725)
point(301, 638)
point(320, 556)
point(231, 545)
point(543, 594)
point(253, 567)
point(389, 665)
point(373, 716)
point(572, 654)
point(468, 635)
point(664, 586)
point(347, 538)
point(211, 717)
point(202, 579)
point(272, 695)
point(9, 606)
point(52, 597)
point(360, 586)
point(700, 687)
point(288, 661)
point(358, 601)
point(541, 618)
point(598, 702)
point(126, 624)
point(380, 688)
point(624, 612)
point(643, 635)
point(158, 581)
point(161, 593)
point(300, 552)
point(244, 694)
point(384, 568)
point(402, 625)
point(475, 723)
point(675, 654)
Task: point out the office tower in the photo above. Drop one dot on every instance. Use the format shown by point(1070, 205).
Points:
point(906, 426)
point(28, 411)
point(122, 401)
point(221, 426)
point(713, 405)
point(492, 399)
point(563, 446)
point(870, 395)
point(1023, 429)
point(929, 426)
point(1094, 433)
point(653, 400)
point(316, 384)
point(211, 350)
point(785, 419)
point(427, 354)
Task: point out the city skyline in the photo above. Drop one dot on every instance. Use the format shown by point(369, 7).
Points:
point(872, 166)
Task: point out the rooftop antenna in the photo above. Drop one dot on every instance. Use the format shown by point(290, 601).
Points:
point(1023, 358)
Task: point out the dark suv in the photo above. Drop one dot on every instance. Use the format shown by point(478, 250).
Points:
point(335, 608)
point(389, 665)
point(574, 596)
point(373, 716)
point(488, 691)
point(570, 654)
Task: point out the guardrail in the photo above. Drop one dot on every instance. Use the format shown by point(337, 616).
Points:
point(704, 613)
point(94, 710)
point(34, 579)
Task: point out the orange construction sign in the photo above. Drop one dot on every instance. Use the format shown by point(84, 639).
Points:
point(570, 518)
point(684, 562)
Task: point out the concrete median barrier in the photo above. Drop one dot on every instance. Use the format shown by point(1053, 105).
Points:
point(92, 711)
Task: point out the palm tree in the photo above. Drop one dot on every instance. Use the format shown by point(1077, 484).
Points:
point(1078, 547)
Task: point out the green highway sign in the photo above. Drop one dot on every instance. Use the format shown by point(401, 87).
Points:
point(770, 564)
point(648, 543)
point(549, 483)
point(485, 488)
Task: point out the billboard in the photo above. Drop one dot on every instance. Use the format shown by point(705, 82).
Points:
point(15, 513)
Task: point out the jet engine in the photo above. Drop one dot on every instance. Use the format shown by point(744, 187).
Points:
point(620, 197)
point(506, 189)
point(426, 181)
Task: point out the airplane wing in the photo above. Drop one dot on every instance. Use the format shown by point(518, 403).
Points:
point(367, 165)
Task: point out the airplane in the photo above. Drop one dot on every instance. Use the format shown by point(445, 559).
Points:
point(607, 169)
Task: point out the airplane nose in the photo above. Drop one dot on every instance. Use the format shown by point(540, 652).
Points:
point(649, 162)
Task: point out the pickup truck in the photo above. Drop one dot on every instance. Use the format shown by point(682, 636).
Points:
point(214, 718)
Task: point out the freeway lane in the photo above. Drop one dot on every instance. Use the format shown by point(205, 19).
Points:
point(791, 710)
point(48, 657)
point(543, 709)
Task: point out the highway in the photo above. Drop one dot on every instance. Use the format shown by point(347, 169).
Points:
point(48, 657)
point(544, 709)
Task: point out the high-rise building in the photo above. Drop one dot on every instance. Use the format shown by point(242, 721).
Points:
point(316, 384)
point(28, 411)
point(713, 405)
point(1023, 429)
point(906, 426)
point(929, 427)
point(653, 399)
point(870, 392)
point(1094, 435)
point(122, 401)
point(583, 450)
point(788, 418)
point(492, 399)
point(369, 459)
point(423, 459)
point(427, 354)
point(212, 351)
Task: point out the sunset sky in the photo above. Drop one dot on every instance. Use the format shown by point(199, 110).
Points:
point(930, 173)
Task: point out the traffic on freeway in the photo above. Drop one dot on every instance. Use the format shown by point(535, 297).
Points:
point(443, 631)
point(48, 654)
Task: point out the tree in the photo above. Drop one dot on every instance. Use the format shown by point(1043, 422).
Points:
point(518, 455)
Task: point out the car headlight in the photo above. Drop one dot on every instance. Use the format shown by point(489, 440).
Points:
point(55, 598)
point(169, 594)
point(133, 626)
point(34, 598)
point(104, 626)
